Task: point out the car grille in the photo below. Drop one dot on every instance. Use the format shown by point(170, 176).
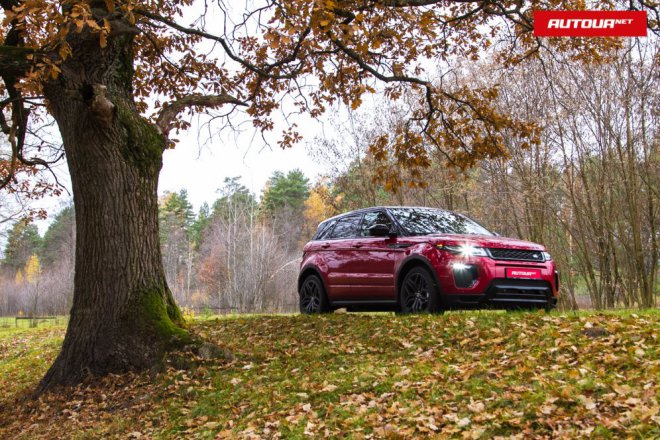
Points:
point(516, 254)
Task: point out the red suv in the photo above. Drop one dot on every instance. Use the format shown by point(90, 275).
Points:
point(415, 260)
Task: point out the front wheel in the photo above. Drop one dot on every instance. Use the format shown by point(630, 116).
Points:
point(419, 293)
point(312, 296)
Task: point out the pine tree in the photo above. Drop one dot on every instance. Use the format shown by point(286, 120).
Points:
point(22, 242)
point(59, 237)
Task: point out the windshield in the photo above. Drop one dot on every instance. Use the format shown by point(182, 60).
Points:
point(425, 221)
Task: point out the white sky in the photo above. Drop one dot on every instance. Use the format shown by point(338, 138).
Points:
point(202, 170)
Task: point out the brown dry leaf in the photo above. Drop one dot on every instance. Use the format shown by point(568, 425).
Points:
point(465, 421)
point(477, 407)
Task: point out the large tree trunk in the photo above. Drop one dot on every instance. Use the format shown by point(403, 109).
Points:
point(123, 317)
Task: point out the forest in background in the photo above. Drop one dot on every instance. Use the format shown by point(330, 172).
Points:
point(588, 191)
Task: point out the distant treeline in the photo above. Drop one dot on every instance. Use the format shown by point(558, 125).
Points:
point(589, 192)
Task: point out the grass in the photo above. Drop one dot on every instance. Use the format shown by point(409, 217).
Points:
point(463, 375)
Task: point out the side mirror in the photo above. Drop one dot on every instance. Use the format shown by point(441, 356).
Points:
point(381, 230)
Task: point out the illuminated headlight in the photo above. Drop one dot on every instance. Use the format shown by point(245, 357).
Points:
point(546, 256)
point(465, 250)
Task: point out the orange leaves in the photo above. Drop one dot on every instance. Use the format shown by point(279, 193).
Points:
point(28, 184)
point(54, 71)
point(314, 54)
point(289, 137)
point(64, 50)
point(45, 27)
point(465, 126)
point(110, 5)
point(319, 206)
point(103, 33)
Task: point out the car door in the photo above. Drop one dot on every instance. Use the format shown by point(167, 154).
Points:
point(340, 255)
point(374, 260)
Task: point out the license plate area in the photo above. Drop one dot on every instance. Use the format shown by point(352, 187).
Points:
point(522, 273)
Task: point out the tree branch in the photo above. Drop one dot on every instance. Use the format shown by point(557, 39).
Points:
point(14, 60)
point(389, 78)
point(170, 111)
point(406, 3)
point(264, 72)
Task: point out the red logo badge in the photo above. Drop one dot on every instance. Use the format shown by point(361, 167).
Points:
point(590, 23)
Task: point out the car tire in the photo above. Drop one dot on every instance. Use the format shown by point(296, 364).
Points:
point(419, 293)
point(312, 297)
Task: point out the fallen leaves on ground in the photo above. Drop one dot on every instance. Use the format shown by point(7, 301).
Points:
point(464, 375)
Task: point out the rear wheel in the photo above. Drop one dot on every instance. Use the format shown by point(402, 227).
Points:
point(419, 292)
point(312, 296)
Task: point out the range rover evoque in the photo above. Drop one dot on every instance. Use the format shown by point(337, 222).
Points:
point(417, 259)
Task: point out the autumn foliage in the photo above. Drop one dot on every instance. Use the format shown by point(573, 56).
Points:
point(305, 58)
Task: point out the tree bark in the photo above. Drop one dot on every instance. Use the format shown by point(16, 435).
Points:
point(124, 317)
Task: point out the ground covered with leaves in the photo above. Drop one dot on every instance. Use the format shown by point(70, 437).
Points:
point(463, 375)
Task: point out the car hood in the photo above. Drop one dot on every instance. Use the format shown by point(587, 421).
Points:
point(488, 241)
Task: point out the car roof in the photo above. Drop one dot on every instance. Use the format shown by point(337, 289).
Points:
point(371, 208)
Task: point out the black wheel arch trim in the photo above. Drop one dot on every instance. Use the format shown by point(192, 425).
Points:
point(306, 269)
point(416, 259)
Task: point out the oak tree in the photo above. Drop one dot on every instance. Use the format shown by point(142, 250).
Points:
point(115, 75)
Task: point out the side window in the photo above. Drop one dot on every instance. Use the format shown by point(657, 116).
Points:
point(323, 232)
point(374, 218)
point(346, 227)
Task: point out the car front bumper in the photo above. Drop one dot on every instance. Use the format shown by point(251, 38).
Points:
point(503, 293)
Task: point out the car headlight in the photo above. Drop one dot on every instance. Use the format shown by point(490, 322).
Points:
point(465, 250)
point(546, 256)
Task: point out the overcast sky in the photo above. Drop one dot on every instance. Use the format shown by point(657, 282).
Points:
point(202, 170)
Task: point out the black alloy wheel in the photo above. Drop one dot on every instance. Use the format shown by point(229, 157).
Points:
point(312, 296)
point(419, 293)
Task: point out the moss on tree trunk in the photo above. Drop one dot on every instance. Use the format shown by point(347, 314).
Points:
point(155, 313)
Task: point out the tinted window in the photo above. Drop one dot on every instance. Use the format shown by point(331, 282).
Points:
point(424, 221)
point(346, 227)
point(324, 230)
point(374, 218)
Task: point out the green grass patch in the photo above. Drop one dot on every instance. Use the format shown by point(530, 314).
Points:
point(474, 375)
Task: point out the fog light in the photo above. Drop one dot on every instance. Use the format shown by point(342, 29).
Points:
point(465, 275)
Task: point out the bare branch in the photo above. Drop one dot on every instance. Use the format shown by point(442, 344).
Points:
point(171, 110)
point(264, 72)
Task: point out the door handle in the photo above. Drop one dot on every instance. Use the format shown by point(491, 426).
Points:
point(357, 246)
point(325, 246)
